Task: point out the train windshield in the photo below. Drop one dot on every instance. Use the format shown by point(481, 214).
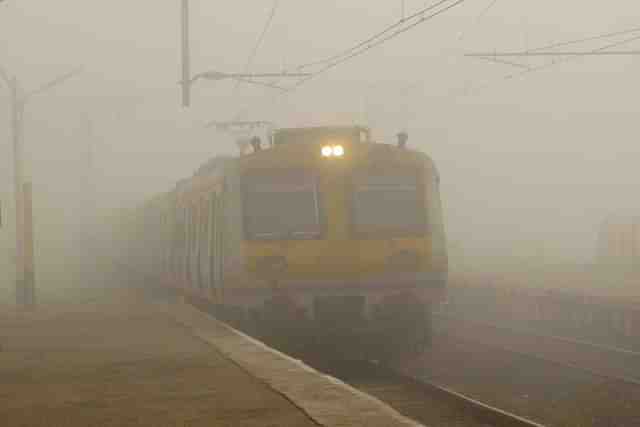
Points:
point(388, 203)
point(281, 205)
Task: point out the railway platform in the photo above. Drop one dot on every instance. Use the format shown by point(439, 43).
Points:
point(118, 359)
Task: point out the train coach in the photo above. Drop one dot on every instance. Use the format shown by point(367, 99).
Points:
point(320, 230)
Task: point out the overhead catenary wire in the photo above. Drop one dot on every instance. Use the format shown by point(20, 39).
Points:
point(252, 56)
point(486, 9)
point(378, 41)
point(546, 50)
point(492, 56)
point(259, 41)
point(470, 89)
point(480, 15)
point(585, 39)
point(374, 37)
point(567, 59)
point(503, 61)
point(556, 62)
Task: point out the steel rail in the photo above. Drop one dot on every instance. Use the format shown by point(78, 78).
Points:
point(488, 413)
point(372, 377)
point(378, 375)
point(591, 371)
point(526, 331)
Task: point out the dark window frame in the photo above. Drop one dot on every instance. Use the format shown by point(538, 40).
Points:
point(389, 233)
point(319, 199)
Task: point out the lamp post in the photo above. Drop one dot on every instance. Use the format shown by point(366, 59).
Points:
point(25, 265)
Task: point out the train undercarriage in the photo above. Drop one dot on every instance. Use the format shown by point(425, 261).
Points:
point(343, 326)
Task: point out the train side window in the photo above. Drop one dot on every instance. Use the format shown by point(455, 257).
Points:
point(388, 202)
point(213, 248)
point(187, 241)
point(187, 229)
point(221, 239)
point(179, 236)
point(194, 228)
point(203, 243)
point(216, 240)
point(281, 205)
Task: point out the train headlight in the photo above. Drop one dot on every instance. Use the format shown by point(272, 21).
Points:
point(332, 151)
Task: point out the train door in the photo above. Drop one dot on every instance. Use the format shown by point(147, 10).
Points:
point(189, 246)
point(215, 243)
point(203, 245)
point(194, 274)
point(213, 250)
point(179, 243)
point(167, 229)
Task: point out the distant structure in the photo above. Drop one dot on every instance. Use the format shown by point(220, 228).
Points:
point(618, 245)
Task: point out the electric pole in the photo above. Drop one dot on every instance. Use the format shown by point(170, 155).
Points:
point(186, 55)
point(17, 116)
point(89, 208)
point(29, 275)
point(25, 264)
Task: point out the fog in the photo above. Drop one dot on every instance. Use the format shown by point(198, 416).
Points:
point(530, 166)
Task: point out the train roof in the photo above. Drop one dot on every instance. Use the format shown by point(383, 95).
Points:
point(318, 133)
point(210, 171)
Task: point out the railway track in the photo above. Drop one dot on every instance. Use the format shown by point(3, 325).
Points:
point(607, 362)
point(553, 380)
point(423, 401)
point(515, 381)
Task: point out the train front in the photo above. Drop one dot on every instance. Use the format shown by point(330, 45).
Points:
point(344, 236)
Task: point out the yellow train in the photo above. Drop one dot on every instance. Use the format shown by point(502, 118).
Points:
point(321, 229)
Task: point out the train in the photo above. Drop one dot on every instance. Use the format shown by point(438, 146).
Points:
point(316, 231)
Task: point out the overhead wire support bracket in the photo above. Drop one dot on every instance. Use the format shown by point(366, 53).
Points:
point(217, 75)
point(486, 55)
point(502, 61)
point(493, 56)
point(228, 125)
point(549, 50)
point(249, 78)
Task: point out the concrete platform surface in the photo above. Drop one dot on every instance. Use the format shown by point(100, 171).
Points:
point(327, 400)
point(122, 361)
point(124, 364)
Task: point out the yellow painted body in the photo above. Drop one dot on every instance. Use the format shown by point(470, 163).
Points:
point(339, 256)
point(336, 260)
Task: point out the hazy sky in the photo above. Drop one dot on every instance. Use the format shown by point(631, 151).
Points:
point(542, 158)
